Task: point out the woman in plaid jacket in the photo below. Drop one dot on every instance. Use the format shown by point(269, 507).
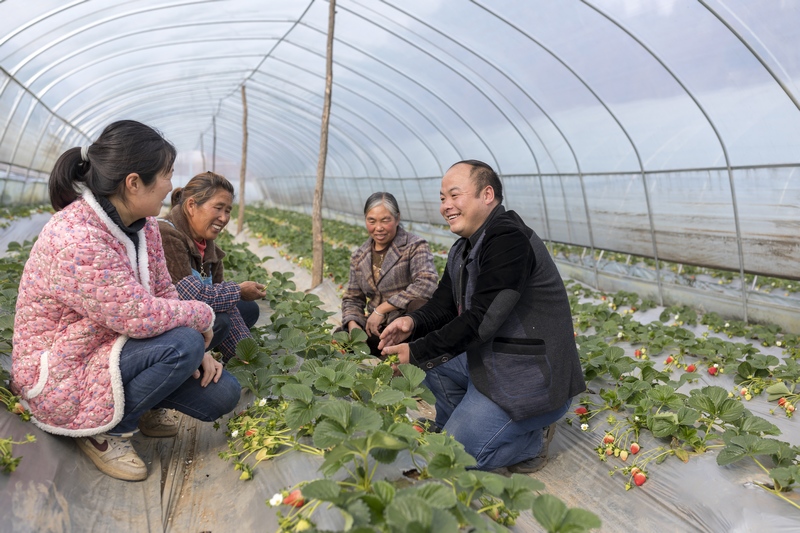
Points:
point(390, 275)
point(200, 211)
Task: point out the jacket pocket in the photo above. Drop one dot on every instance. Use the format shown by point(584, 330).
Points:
point(519, 376)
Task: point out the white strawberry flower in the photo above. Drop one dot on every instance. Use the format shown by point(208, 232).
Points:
point(620, 335)
point(235, 433)
point(727, 324)
point(276, 500)
point(716, 365)
point(677, 317)
point(262, 402)
point(584, 427)
point(778, 343)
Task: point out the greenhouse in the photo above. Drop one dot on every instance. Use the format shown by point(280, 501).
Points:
point(652, 146)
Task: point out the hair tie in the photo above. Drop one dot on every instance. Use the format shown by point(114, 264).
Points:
point(85, 153)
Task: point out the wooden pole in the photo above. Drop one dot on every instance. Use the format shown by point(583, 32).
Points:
point(316, 213)
point(243, 171)
point(203, 154)
point(214, 145)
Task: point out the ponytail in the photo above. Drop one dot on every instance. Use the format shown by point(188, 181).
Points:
point(69, 169)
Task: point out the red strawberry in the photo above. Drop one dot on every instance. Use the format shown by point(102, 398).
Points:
point(669, 360)
point(782, 401)
point(634, 448)
point(581, 410)
point(295, 499)
point(712, 370)
point(637, 353)
point(691, 368)
point(639, 478)
point(420, 429)
point(250, 432)
point(608, 439)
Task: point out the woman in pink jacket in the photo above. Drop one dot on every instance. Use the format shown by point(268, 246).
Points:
point(102, 343)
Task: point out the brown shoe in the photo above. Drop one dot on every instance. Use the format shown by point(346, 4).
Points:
point(114, 456)
point(159, 423)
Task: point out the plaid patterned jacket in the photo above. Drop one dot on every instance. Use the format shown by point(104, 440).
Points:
point(408, 274)
point(183, 258)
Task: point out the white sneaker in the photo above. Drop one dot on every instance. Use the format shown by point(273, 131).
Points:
point(113, 455)
point(159, 423)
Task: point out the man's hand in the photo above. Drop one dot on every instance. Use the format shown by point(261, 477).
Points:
point(402, 351)
point(396, 332)
point(252, 291)
point(212, 370)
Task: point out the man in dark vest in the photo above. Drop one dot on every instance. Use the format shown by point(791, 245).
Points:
point(496, 338)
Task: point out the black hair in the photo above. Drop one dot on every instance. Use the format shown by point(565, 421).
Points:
point(201, 187)
point(124, 147)
point(483, 176)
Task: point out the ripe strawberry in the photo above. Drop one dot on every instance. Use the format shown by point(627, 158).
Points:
point(691, 368)
point(581, 410)
point(639, 478)
point(608, 439)
point(781, 401)
point(634, 448)
point(712, 370)
point(250, 432)
point(669, 360)
point(295, 499)
point(637, 353)
point(419, 429)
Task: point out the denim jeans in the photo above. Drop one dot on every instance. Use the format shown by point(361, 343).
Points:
point(157, 372)
point(485, 430)
point(222, 323)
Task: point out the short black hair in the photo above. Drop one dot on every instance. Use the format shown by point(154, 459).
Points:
point(483, 176)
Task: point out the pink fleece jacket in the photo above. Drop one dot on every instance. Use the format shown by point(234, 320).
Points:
point(83, 293)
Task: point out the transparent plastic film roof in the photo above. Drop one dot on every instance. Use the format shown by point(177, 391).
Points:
point(666, 129)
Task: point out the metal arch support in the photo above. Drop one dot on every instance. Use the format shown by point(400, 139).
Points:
point(716, 132)
point(760, 59)
point(571, 149)
point(521, 115)
point(624, 131)
point(382, 108)
point(415, 82)
point(465, 78)
point(377, 166)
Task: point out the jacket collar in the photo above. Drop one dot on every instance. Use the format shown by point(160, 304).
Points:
point(473, 239)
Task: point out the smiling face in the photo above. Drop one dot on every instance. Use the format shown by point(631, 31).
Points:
point(381, 226)
point(207, 220)
point(464, 207)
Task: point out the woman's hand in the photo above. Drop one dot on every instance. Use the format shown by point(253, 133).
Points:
point(207, 336)
point(212, 370)
point(374, 322)
point(353, 325)
point(252, 291)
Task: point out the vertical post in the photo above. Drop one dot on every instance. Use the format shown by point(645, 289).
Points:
point(316, 215)
point(214, 145)
point(203, 154)
point(243, 168)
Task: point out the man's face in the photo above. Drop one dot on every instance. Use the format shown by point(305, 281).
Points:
point(461, 206)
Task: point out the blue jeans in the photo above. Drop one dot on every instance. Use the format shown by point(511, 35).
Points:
point(485, 430)
point(157, 372)
point(222, 323)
